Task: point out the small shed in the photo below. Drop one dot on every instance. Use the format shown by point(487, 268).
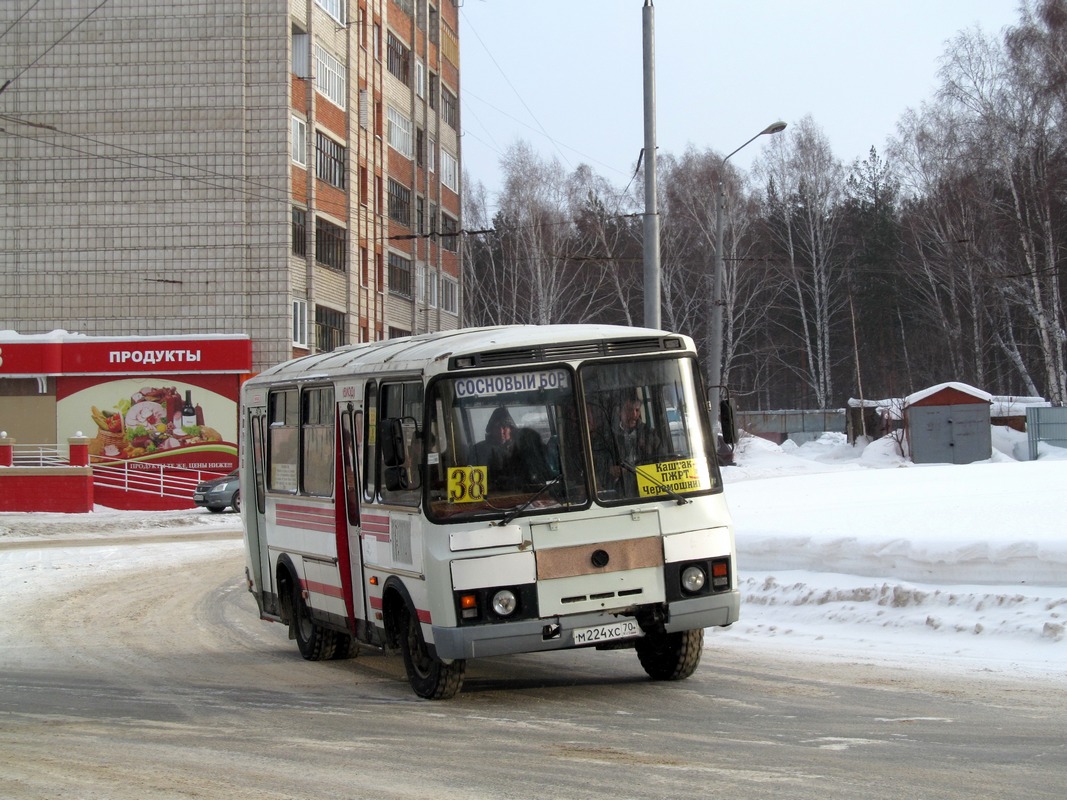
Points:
point(948, 424)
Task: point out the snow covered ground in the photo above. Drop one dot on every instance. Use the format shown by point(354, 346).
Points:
point(856, 553)
point(845, 553)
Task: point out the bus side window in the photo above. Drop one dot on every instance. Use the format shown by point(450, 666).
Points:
point(402, 456)
point(283, 442)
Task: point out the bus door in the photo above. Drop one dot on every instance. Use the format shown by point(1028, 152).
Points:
point(349, 547)
point(255, 507)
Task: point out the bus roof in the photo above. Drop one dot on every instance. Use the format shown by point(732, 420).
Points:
point(480, 347)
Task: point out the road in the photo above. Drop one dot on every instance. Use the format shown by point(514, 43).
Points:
point(157, 683)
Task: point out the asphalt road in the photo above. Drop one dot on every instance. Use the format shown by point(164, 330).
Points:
point(164, 684)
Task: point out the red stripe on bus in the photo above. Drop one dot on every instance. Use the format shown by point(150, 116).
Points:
point(423, 615)
point(322, 588)
point(312, 510)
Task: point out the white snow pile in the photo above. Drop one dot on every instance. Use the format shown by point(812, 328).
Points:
point(854, 552)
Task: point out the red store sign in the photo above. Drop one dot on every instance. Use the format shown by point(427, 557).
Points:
point(163, 355)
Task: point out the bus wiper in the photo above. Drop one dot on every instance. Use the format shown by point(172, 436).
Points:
point(626, 465)
point(525, 504)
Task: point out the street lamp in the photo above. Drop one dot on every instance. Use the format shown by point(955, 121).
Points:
point(715, 356)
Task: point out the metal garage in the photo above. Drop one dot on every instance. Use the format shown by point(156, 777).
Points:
point(948, 424)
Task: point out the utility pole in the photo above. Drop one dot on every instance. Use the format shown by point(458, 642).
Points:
point(651, 219)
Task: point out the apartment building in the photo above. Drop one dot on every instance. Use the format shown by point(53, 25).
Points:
point(284, 169)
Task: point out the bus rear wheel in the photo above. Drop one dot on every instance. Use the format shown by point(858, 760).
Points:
point(429, 676)
point(671, 656)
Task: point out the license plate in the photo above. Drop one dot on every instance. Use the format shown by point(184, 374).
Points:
point(623, 629)
point(197, 497)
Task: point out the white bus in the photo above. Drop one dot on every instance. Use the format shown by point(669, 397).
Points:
point(489, 491)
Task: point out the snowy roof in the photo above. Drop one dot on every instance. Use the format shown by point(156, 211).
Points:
point(922, 394)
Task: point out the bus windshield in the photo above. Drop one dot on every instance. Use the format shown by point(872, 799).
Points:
point(529, 441)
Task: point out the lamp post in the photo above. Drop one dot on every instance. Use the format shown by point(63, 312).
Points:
point(715, 356)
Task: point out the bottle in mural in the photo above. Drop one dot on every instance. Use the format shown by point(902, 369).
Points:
point(188, 412)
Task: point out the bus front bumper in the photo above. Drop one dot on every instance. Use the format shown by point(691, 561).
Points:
point(557, 633)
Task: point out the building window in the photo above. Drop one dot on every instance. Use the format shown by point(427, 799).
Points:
point(398, 333)
point(301, 54)
point(300, 141)
point(300, 323)
point(420, 215)
point(449, 45)
point(335, 8)
point(300, 232)
point(329, 77)
point(420, 147)
point(449, 170)
point(398, 131)
point(399, 275)
point(420, 78)
point(433, 91)
point(449, 233)
point(449, 108)
point(431, 288)
point(330, 248)
point(330, 162)
point(399, 203)
point(398, 59)
point(407, 6)
point(329, 329)
point(431, 155)
point(449, 295)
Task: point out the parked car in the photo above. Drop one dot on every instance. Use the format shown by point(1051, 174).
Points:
point(218, 494)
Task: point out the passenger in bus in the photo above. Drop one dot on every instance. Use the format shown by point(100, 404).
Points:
point(495, 450)
point(634, 442)
point(529, 462)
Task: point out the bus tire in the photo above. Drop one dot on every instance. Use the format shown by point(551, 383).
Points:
point(315, 642)
point(428, 675)
point(345, 646)
point(671, 656)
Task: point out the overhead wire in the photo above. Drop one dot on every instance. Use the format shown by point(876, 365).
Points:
point(7, 30)
point(212, 174)
point(51, 47)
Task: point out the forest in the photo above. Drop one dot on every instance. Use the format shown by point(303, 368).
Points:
point(939, 259)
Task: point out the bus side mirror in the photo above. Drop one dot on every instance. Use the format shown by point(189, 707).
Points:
point(728, 421)
point(391, 441)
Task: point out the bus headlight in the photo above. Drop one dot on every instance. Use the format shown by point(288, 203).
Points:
point(693, 579)
point(505, 603)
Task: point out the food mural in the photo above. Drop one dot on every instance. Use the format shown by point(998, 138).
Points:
point(161, 420)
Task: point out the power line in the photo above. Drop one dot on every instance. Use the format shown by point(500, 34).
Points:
point(131, 151)
point(161, 171)
point(10, 81)
point(17, 21)
point(503, 74)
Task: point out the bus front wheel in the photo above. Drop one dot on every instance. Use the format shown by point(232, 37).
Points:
point(315, 642)
point(671, 656)
point(429, 676)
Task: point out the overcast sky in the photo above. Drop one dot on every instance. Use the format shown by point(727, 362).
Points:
point(566, 75)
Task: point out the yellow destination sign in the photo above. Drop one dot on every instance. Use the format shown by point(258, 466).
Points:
point(683, 475)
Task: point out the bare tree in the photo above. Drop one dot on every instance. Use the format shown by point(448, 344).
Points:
point(804, 191)
point(1012, 97)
